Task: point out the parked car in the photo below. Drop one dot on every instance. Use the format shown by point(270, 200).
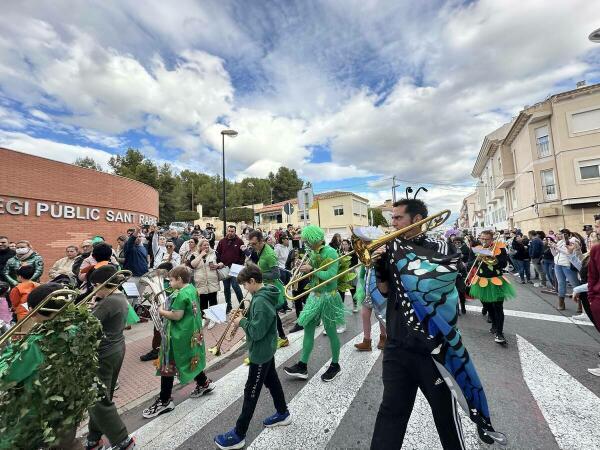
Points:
point(178, 226)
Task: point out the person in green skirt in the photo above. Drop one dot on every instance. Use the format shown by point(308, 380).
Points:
point(323, 304)
point(488, 283)
point(182, 350)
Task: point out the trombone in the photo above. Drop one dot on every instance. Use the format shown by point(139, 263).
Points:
point(68, 296)
point(230, 329)
point(364, 249)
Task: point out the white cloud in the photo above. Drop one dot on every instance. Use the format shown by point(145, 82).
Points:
point(50, 149)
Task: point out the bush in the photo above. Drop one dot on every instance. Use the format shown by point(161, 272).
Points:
point(187, 216)
point(238, 215)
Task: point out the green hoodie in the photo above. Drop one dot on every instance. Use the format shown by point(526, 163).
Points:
point(260, 325)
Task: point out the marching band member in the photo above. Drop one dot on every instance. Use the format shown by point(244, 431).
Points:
point(261, 336)
point(269, 265)
point(111, 309)
point(182, 352)
point(422, 340)
point(489, 284)
point(323, 304)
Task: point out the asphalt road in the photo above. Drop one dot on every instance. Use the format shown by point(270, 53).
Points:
point(539, 391)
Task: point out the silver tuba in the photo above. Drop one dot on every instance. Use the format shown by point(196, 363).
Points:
point(155, 282)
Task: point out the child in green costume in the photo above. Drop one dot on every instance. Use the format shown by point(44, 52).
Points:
point(182, 350)
point(323, 304)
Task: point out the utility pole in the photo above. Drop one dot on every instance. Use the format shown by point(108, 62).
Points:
point(271, 196)
point(193, 195)
point(394, 189)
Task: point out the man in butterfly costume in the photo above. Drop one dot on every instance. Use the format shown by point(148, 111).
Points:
point(424, 350)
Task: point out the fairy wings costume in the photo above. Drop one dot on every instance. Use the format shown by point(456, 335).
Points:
point(427, 297)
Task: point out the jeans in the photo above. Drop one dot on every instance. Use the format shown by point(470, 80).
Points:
point(540, 271)
point(228, 283)
point(403, 373)
point(524, 269)
point(548, 266)
point(564, 274)
point(259, 374)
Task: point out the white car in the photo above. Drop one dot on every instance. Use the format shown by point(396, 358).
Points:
point(178, 226)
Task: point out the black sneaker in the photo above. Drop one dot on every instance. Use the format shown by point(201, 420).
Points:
point(94, 445)
point(158, 407)
point(150, 356)
point(500, 339)
point(199, 391)
point(298, 370)
point(333, 371)
point(127, 444)
point(296, 328)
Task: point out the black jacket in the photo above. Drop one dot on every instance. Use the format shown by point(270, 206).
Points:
point(5, 255)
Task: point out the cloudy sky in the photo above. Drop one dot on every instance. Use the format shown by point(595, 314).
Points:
point(349, 93)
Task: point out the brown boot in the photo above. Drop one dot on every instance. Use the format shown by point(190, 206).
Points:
point(364, 346)
point(561, 304)
point(381, 343)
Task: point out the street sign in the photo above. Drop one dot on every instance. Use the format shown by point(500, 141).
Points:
point(288, 208)
point(305, 199)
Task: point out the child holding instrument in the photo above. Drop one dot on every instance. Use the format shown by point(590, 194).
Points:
point(261, 335)
point(182, 351)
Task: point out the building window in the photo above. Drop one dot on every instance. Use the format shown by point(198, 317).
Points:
point(590, 169)
point(500, 165)
point(301, 214)
point(548, 184)
point(338, 210)
point(542, 141)
point(585, 121)
point(359, 209)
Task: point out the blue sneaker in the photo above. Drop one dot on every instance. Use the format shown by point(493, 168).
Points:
point(230, 440)
point(278, 419)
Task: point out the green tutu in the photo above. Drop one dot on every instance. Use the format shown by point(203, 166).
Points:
point(132, 317)
point(325, 306)
point(492, 292)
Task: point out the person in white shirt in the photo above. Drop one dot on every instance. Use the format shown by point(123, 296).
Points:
point(170, 255)
point(564, 250)
point(159, 248)
point(282, 250)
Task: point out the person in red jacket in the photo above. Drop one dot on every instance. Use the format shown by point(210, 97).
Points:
point(593, 281)
point(230, 250)
point(18, 294)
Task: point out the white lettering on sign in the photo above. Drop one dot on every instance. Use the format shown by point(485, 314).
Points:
point(57, 210)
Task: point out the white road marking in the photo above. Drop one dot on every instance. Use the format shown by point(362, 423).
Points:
point(319, 407)
point(537, 316)
point(571, 410)
point(190, 416)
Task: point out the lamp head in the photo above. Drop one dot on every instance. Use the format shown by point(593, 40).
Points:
point(595, 36)
point(230, 133)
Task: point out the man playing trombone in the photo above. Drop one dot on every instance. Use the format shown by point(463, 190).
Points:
point(418, 276)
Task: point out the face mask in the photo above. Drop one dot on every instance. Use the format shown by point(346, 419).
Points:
point(22, 251)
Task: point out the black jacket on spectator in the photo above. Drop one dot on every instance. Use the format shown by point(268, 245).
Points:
point(522, 252)
point(5, 255)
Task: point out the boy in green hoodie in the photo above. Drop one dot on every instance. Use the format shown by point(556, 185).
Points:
point(261, 335)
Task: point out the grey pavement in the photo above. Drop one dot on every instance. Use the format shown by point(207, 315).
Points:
point(514, 409)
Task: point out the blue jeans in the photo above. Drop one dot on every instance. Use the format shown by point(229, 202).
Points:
point(564, 274)
point(525, 269)
point(548, 266)
point(228, 283)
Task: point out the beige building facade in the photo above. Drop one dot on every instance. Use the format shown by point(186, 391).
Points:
point(333, 211)
point(541, 171)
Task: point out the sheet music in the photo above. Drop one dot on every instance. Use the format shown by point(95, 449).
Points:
point(216, 313)
point(235, 270)
point(130, 289)
point(482, 251)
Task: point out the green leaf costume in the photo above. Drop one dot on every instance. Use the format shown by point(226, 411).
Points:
point(183, 351)
point(49, 379)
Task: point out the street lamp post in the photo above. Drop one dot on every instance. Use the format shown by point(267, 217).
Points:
point(230, 133)
point(251, 185)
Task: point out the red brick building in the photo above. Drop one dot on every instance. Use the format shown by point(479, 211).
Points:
point(53, 204)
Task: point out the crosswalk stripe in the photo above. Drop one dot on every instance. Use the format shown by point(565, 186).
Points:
point(190, 416)
point(536, 316)
point(571, 410)
point(319, 407)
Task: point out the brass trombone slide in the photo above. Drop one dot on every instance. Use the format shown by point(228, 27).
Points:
point(364, 249)
point(230, 329)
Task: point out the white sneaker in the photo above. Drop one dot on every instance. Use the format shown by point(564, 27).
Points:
point(211, 325)
point(355, 309)
point(595, 371)
point(341, 329)
point(583, 317)
point(324, 332)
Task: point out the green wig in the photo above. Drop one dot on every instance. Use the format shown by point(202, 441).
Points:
point(312, 234)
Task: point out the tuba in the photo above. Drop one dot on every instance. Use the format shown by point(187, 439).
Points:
point(155, 282)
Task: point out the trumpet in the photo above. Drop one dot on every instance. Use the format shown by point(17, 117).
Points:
point(230, 329)
point(364, 250)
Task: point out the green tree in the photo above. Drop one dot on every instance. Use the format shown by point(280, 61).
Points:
point(187, 216)
point(167, 199)
point(285, 183)
point(135, 166)
point(88, 162)
point(378, 219)
point(237, 215)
